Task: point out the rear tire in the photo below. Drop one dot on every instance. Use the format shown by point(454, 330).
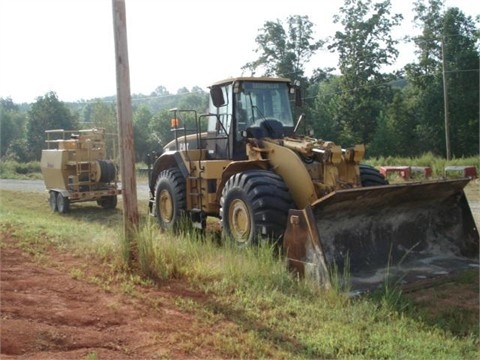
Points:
point(254, 204)
point(52, 200)
point(63, 204)
point(170, 199)
point(108, 202)
point(369, 176)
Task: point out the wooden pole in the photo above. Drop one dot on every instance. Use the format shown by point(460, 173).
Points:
point(125, 128)
point(445, 101)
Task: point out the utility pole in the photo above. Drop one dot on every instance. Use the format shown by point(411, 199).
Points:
point(125, 128)
point(445, 101)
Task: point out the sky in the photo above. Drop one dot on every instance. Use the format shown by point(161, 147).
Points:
point(67, 46)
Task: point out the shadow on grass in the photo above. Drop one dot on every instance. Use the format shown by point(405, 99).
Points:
point(450, 303)
point(91, 212)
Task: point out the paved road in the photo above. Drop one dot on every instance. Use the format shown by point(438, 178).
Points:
point(39, 185)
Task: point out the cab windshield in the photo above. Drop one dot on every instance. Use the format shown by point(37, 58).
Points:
point(257, 101)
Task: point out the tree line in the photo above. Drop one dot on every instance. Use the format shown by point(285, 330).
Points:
point(399, 113)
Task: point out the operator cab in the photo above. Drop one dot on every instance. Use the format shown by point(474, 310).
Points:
point(247, 108)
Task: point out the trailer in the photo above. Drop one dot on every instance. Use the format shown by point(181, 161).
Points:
point(75, 168)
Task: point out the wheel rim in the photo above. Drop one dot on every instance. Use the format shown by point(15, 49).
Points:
point(239, 221)
point(165, 206)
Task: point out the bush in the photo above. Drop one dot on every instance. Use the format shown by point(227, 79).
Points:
point(10, 169)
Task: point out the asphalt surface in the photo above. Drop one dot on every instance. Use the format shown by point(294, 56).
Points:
point(39, 186)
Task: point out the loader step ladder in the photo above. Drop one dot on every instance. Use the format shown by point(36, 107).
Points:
point(195, 194)
point(83, 171)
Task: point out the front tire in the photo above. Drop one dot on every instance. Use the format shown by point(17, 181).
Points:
point(170, 199)
point(254, 204)
point(107, 202)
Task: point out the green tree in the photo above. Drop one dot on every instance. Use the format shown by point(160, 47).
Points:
point(12, 125)
point(143, 140)
point(364, 46)
point(462, 65)
point(45, 114)
point(160, 128)
point(158, 100)
point(86, 112)
point(104, 116)
point(459, 57)
point(160, 91)
point(324, 108)
point(285, 49)
point(384, 141)
point(394, 134)
point(196, 99)
point(427, 18)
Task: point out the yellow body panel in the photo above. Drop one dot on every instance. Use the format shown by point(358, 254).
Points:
point(54, 168)
point(291, 168)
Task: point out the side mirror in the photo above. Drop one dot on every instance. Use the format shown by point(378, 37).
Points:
point(216, 94)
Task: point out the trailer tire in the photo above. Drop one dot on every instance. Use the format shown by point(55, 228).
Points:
point(108, 202)
point(369, 176)
point(254, 205)
point(63, 204)
point(170, 204)
point(52, 200)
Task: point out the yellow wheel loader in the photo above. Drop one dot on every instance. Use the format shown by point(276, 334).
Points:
point(245, 163)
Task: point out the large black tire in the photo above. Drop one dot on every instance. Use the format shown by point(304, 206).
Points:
point(52, 200)
point(108, 172)
point(170, 199)
point(108, 202)
point(254, 204)
point(63, 204)
point(369, 176)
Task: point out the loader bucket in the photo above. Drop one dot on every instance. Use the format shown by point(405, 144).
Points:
point(400, 233)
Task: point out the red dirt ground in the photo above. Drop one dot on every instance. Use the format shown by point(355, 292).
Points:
point(45, 314)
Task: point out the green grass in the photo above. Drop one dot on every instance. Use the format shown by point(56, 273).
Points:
point(460, 321)
point(257, 308)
